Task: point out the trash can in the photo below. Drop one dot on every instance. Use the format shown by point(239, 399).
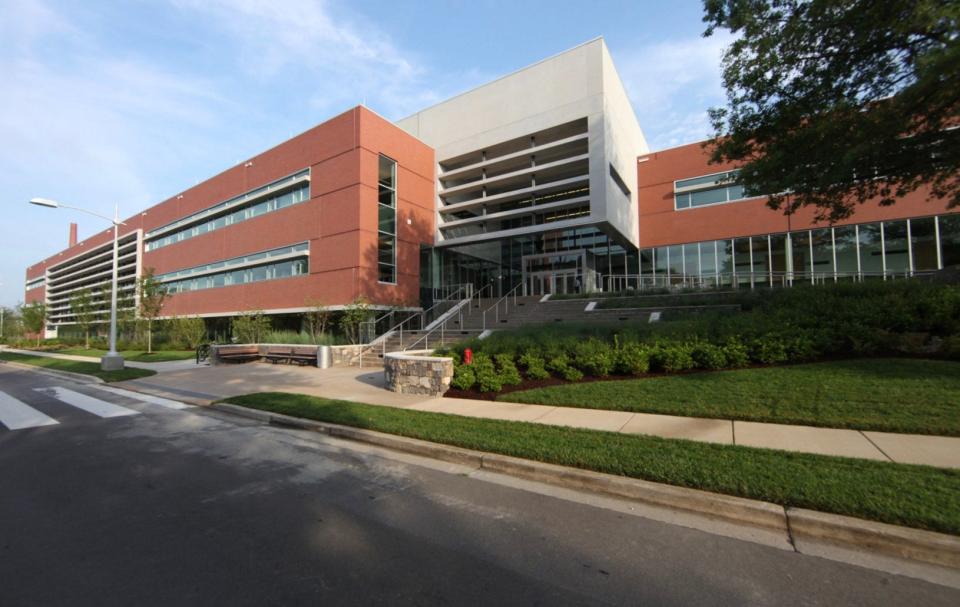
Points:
point(324, 357)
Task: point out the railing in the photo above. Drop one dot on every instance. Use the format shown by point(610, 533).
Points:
point(441, 328)
point(457, 295)
point(643, 282)
point(506, 305)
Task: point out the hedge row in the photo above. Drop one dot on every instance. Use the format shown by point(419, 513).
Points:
point(800, 324)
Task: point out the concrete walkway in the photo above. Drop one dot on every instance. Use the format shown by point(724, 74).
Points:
point(185, 380)
point(364, 385)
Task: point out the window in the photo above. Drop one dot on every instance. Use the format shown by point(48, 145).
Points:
point(387, 221)
point(238, 211)
point(707, 190)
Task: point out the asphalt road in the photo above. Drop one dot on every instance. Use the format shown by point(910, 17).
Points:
point(193, 507)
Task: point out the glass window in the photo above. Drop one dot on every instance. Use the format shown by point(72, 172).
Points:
point(923, 235)
point(778, 253)
point(822, 251)
point(675, 260)
point(895, 244)
point(660, 259)
point(708, 258)
point(646, 261)
point(725, 256)
point(704, 197)
point(845, 240)
point(871, 253)
point(950, 239)
point(691, 262)
point(800, 250)
point(761, 258)
point(386, 220)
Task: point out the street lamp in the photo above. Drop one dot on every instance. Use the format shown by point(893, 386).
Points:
point(112, 361)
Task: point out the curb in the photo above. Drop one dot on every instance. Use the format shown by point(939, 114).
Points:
point(80, 377)
point(799, 524)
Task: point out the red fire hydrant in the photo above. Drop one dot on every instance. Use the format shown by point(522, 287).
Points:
point(467, 356)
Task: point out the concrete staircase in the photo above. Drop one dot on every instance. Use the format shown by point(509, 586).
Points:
point(524, 311)
point(373, 356)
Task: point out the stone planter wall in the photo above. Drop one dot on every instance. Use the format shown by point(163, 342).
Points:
point(346, 356)
point(417, 373)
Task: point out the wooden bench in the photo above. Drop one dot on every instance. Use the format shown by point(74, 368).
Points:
point(240, 354)
point(304, 355)
point(276, 354)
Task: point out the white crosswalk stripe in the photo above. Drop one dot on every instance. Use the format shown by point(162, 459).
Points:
point(89, 404)
point(16, 415)
point(145, 398)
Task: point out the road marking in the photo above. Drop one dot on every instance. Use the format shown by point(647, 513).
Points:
point(147, 398)
point(89, 404)
point(17, 415)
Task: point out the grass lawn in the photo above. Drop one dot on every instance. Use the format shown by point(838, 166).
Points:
point(887, 394)
point(916, 496)
point(73, 366)
point(156, 356)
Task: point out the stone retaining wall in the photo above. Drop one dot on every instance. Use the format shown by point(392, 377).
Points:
point(346, 356)
point(417, 373)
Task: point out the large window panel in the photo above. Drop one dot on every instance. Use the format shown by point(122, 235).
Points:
point(800, 249)
point(924, 237)
point(761, 258)
point(822, 251)
point(845, 239)
point(778, 252)
point(950, 239)
point(387, 221)
point(871, 253)
point(896, 246)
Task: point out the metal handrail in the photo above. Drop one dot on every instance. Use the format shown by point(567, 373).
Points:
point(443, 325)
point(506, 308)
point(382, 338)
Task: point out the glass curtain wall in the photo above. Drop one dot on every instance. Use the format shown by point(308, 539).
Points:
point(871, 250)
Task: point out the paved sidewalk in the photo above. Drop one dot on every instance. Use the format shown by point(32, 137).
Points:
point(365, 385)
point(169, 365)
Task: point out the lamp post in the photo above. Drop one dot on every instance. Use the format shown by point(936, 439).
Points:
point(112, 360)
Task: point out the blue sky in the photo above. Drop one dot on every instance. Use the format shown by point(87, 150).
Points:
point(130, 102)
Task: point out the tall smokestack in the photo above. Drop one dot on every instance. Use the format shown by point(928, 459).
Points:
point(73, 235)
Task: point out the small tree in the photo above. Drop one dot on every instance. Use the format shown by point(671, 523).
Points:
point(190, 331)
point(317, 317)
point(153, 294)
point(34, 318)
point(250, 328)
point(84, 311)
point(354, 315)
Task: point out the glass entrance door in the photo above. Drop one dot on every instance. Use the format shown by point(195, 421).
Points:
point(554, 273)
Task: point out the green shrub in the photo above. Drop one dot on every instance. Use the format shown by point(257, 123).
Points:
point(560, 365)
point(671, 357)
point(736, 353)
point(708, 356)
point(632, 359)
point(594, 357)
point(487, 378)
point(768, 350)
point(509, 375)
point(463, 377)
point(536, 367)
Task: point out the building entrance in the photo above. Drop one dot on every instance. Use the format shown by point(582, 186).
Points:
point(558, 273)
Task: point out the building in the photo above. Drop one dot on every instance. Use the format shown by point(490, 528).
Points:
point(538, 182)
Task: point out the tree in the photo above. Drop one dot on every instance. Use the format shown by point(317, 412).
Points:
point(317, 317)
point(190, 331)
point(831, 103)
point(249, 328)
point(354, 315)
point(84, 311)
point(34, 318)
point(153, 294)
